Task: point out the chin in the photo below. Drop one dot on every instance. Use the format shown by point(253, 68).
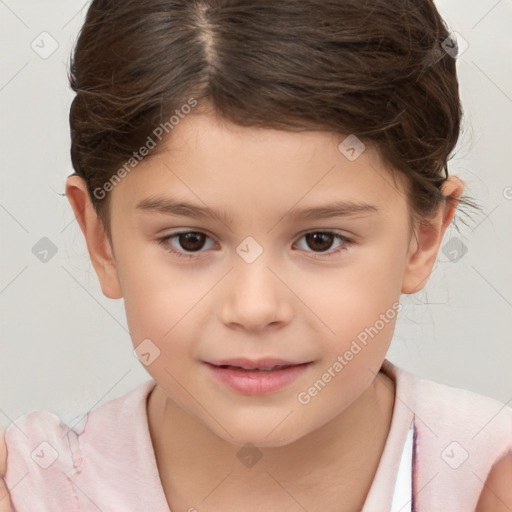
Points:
point(261, 436)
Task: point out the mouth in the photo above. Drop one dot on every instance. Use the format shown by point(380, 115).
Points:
point(256, 377)
point(267, 364)
point(258, 369)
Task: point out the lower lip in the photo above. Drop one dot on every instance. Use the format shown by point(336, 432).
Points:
point(257, 382)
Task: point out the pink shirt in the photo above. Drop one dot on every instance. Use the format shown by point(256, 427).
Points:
point(107, 462)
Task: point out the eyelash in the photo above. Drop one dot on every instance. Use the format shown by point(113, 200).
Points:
point(165, 242)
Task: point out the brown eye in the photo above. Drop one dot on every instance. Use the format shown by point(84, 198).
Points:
point(320, 241)
point(184, 244)
point(189, 244)
point(191, 241)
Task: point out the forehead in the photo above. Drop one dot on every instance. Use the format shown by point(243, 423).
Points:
point(217, 162)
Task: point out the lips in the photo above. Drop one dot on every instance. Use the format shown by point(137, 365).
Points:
point(257, 369)
point(257, 364)
point(256, 377)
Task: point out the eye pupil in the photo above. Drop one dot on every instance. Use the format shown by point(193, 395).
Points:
point(189, 241)
point(324, 239)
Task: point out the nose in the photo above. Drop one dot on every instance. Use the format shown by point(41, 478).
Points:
point(256, 297)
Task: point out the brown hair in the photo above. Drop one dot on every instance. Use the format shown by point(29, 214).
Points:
point(372, 68)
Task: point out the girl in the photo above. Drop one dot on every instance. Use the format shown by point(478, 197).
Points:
point(260, 182)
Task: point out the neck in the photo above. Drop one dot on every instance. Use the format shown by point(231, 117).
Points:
point(338, 460)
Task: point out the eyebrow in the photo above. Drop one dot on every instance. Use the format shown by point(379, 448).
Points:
point(170, 206)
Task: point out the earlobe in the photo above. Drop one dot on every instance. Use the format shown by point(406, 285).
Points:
point(427, 239)
point(98, 243)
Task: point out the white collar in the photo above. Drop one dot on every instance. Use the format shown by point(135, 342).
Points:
point(403, 495)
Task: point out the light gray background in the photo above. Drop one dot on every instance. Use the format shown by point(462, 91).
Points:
point(65, 347)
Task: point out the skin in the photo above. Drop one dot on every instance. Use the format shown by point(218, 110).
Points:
point(497, 493)
point(290, 303)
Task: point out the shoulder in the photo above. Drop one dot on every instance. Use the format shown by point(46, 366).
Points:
point(43, 435)
point(466, 439)
point(49, 461)
point(30, 427)
point(446, 408)
point(461, 410)
point(39, 458)
point(37, 439)
point(463, 444)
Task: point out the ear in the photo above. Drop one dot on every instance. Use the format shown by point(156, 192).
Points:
point(98, 243)
point(428, 236)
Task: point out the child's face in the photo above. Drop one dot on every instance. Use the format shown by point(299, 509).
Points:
point(291, 302)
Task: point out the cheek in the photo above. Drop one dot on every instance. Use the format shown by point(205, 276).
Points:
point(355, 297)
point(360, 304)
point(159, 296)
point(162, 305)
